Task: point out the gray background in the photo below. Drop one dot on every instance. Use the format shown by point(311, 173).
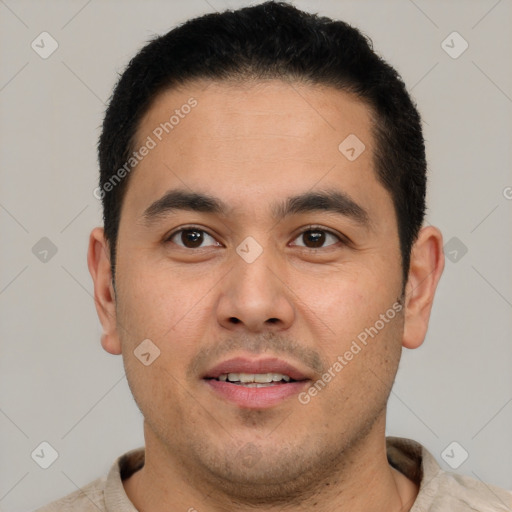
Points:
point(56, 382)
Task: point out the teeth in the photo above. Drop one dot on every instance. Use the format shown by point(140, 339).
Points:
point(260, 378)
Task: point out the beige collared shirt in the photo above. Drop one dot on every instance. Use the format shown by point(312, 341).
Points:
point(440, 491)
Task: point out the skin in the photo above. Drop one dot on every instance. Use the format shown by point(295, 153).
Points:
point(250, 146)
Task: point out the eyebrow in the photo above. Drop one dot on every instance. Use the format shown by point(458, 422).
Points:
point(330, 200)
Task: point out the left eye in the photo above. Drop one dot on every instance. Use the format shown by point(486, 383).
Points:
point(316, 237)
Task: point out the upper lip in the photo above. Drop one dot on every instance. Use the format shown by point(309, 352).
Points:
point(254, 366)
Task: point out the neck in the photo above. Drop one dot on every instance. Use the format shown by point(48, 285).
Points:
point(361, 479)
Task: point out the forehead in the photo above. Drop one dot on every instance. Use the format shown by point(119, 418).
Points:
point(258, 109)
point(253, 139)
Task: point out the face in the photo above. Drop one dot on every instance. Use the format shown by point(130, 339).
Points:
point(260, 285)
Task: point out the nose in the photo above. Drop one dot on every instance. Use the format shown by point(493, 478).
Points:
point(255, 296)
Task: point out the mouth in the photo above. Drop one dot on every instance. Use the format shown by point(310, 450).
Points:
point(255, 380)
point(255, 384)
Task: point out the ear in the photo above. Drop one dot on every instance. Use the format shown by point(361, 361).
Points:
point(98, 261)
point(426, 267)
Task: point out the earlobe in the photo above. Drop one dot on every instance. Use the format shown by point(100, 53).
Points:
point(111, 344)
point(426, 268)
point(98, 261)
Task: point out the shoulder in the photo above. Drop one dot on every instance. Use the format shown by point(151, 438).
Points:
point(451, 491)
point(105, 494)
point(441, 490)
point(446, 490)
point(90, 498)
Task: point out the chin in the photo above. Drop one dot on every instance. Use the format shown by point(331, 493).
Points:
point(263, 470)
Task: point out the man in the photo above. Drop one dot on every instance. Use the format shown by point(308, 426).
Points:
point(261, 266)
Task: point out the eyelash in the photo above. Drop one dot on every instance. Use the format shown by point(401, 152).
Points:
point(308, 228)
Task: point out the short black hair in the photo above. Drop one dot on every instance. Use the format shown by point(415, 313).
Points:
point(272, 40)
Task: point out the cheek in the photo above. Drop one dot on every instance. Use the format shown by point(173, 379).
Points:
point(345, 303)
point(157, 308)
point(174, 313)
point(155, 303)
point(363, 355)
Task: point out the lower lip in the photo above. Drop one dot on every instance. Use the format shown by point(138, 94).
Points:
point(256, 398)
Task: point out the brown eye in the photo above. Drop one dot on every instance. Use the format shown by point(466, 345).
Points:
point(190, 238)
point(315, 238)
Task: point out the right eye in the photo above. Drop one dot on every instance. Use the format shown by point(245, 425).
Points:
point(190, 237)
